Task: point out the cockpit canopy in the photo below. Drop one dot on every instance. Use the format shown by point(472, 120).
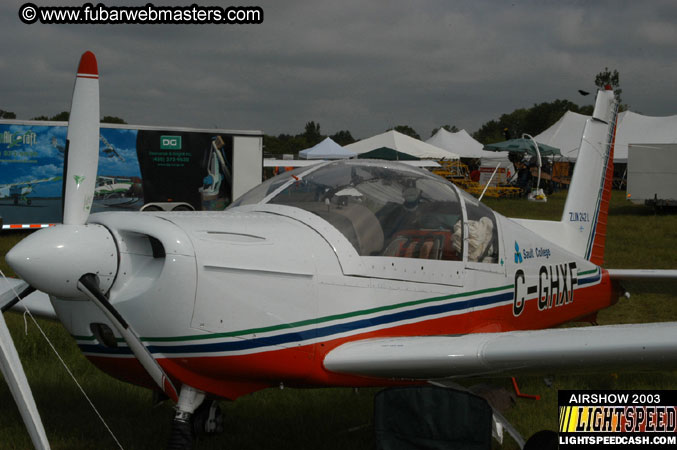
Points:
point(387, 209)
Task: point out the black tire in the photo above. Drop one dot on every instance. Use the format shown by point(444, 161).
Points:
point(181, 437)
point(542, 440)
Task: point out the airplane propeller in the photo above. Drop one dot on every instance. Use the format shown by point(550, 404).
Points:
point(76, 260)
point(81, 162)
point(12, 370)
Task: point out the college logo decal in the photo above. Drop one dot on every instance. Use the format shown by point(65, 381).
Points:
point(518, 254)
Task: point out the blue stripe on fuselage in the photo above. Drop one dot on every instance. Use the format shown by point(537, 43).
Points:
point(300, 336)
point(286, 338)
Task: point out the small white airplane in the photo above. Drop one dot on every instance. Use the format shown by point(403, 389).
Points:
point(106, 185)
point(20, 191)
point(108, 149)
point(60, 148)
point(351, 273)
point(116, 191)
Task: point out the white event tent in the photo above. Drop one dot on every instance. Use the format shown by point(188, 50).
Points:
point(565, 134)
point(402, 143)
point(327, 149)
point(632, 128)
point(635, 128)
point(465, 146)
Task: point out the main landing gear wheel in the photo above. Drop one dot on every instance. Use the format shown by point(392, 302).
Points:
point(542, 440)
point(208, 419)
point(181, 437)
point(194, 417)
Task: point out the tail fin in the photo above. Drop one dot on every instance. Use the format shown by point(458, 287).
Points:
point(587, 205)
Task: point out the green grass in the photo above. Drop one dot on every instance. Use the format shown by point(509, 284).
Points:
point(324, 418)
point(637, 237)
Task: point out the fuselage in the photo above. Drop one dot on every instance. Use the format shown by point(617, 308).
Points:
point(235, 301)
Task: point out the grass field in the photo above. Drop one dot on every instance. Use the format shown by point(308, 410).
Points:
point(323, 418)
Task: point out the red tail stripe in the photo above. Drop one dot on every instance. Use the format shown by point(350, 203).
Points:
point(597, 254)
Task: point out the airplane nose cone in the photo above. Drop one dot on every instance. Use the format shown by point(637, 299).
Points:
point(53, 260)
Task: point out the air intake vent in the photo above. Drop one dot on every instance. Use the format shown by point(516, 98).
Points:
point(157, 247)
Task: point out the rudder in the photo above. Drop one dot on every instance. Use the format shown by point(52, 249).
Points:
point(587, 206)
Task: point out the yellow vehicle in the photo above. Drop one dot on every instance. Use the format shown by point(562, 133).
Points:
point(459, 174)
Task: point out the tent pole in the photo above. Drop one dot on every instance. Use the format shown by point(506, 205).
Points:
point(489, 182)
point(538, 156)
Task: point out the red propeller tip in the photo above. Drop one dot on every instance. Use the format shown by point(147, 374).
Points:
point(88, 64)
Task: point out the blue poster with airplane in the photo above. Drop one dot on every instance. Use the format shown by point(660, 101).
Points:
point(31, 169)
point(137, 165)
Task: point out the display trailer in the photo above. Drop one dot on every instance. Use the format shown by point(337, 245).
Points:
point(140, 168)
point(652, 174)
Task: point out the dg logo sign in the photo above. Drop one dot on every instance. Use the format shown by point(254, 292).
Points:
point(170, 142)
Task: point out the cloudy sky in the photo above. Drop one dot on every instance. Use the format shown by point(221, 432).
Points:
point(355, 65)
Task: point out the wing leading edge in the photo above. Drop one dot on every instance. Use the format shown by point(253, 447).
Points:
point(575, 350)
point(642, 274)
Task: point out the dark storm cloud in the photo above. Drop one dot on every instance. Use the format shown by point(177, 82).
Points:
point(349, 65)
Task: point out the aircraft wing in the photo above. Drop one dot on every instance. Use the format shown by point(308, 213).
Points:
point(575, 350)
point(642, 274)
point(269, 162)
point(37, 302)
point(10, 288)
point(31, 182)
point(45, 180)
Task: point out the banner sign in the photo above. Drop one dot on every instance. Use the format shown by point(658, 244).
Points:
point(137, 165)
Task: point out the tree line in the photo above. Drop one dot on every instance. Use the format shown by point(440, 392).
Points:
point(533, 121)
point(61, 117)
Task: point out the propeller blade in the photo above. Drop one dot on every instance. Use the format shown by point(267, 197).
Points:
point(14, 374)
point(88, 285)
point(82, 143)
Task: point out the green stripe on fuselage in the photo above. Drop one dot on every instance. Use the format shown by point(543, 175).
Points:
point(319, 320)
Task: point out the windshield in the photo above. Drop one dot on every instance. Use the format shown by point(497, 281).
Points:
point(269, 186)
point(382, 208)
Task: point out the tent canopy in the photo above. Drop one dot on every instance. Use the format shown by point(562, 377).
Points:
point(523, 145)
point(465, 146)
point(460, 143)
point(632, 128)
point(635, 128)
point(389, 154)
point(565, 134)
point(401, 143)
point(327, 149)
